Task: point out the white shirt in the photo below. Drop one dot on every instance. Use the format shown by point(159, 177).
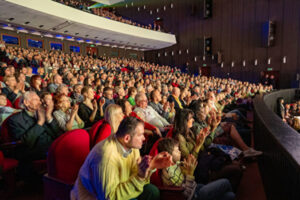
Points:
point(151, 116)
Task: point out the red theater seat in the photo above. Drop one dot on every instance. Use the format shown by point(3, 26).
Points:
point(99, 131)
point(65, 157)
point(5, 137)
point(17, 103)
point(167, 192)
point(9, 144)
point(8, 103)
point(8, 167)
point(170, 133)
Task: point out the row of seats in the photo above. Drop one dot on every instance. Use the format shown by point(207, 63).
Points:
point(68, 152)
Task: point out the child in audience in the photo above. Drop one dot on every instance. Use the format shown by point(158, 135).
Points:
point(181, 174)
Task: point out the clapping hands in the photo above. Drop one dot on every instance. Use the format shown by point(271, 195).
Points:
point(147, 163)
point(190, 164)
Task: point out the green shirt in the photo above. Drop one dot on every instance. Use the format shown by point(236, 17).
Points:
point(131, 101)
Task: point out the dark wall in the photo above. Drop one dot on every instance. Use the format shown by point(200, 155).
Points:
point(102, 50)
point(236, 31)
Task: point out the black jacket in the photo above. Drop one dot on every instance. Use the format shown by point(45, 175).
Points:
point(35, 139)
point(9, 94)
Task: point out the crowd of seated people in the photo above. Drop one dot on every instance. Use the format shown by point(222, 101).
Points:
point(202, 116)
point(105, 12)
point(289, 113)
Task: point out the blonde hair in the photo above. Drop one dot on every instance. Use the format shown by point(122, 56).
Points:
point(111, 113)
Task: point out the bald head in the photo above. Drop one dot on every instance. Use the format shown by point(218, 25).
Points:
point(176, 92)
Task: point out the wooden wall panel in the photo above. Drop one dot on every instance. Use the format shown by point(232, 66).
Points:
point(236, 29)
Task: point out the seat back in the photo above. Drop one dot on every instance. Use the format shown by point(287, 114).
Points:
point(8, 103)
point(4, 134)
point(156, 176)
point(170, 133)
point(99, 131)
point(66, 155)
point(1, 160)
point(17, 103)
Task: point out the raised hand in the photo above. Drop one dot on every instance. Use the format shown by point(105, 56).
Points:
point(95, 105)
point(49, 109)
point(102, 102)
point(200, 138)
point(161, 161)
point(41, 116)
point(209, 120)
point(166, 106)
point(74, 109)
point(143, 166)
point(190, 164)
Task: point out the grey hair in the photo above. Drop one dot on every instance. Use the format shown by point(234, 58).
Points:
point(60, 87)
point(138, 96)
point(27, 95)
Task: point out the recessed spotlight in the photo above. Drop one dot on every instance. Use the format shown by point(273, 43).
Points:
point(86, 35)
point(96, 37)
point(11, 19)
point(27, 22)
point(76, 33)
point(41, 26)
point(66, 31)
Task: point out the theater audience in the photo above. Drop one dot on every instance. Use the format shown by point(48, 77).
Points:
point(182, 174)
point(57, 80)
point(174, 98)
point(114, 169)
point(5, 111)
point(62, 89)
point(131, 95)
point(148, 114)
point(167, 110)
point(88, 110)
point(11, 90)
point(108, 97)
point(217, 119)
point(65, 115)
point(36, 84)
point(189, 142)
point(114, 115)
point(21, 82)
point(290, 113)
point(76, 95)
point(127, 110)
point(104, 12)
point(35, 127)
point(120, 92)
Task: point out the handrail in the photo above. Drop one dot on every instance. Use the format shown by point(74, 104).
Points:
point(280, 163)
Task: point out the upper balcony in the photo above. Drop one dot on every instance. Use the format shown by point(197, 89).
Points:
point(47, 15)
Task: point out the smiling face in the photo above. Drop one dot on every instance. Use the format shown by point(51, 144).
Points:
point(63, 103)
point(33, 103)
point(143, 101)
point(176, 154)
point(190, 121)
point(47, 99)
